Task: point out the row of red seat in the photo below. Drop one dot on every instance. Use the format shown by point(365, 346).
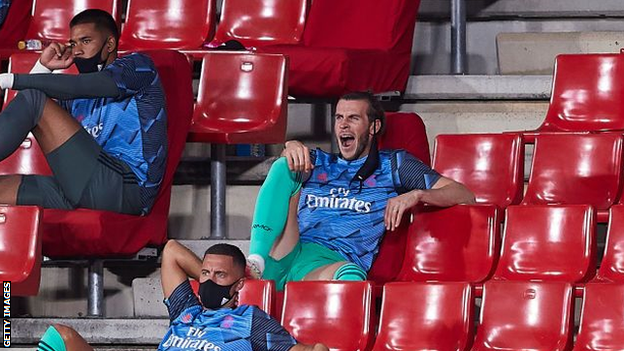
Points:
point(331, 50)
point(463, 243)
point(567, 168)
point(514, 315)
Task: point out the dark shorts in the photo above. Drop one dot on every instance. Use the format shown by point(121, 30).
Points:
point(84, 177)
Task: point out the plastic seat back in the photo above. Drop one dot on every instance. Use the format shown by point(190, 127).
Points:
point(576, 169)
point(458, 243)
point(612, 264)
point(425, 316)
point(50, 18)
point(255, 292)
point(548, 242)
point(602, 318)
point(533, 316)
point(20, 251)
point(403, 131)
point(406, 131)
point(257, 23)
point(491, 165)
point(337, 314)
point(165, 24)
point(331, 24)
point(242, 98)
point(586, 94)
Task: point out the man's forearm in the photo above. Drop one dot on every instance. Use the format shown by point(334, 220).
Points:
point(178, 264)
point(448, 195)
point(68, 86)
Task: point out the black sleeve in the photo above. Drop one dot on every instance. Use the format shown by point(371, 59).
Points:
point(413, 173)
point(69, 86)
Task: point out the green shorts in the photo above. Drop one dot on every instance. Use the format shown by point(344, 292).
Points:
point(303, 259)
point(84, 177)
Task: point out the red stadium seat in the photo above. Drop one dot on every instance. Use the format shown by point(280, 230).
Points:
point(458, 243)
point(14, 27)
point(242, 99)
point(164, 24)
point(534, 316)
point(20, 252)
point(576, 169)
point(612, 265)
point(586, 95)
point(602, 318)
point(548, 242)
point(261, 22)
point(406, 131)
point(491, 165)
point(403, 131)
point(255, 292)
point(50, 18)
point(28, 159)
point(425, 316)
point(337, 314)
point(341, 52)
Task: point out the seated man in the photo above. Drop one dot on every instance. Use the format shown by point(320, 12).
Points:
point(198, 324)
point(105, 136)
point(329, 225)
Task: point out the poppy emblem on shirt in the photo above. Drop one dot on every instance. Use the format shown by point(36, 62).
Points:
point(371, 181)
point(228, 321)
point(80, 118)
point(322, 177)
point(186, 318)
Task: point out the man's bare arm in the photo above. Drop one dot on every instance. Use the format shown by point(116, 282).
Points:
point(445, 192)
point(178, 264)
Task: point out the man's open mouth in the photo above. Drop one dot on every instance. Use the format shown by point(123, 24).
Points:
point(346, 140)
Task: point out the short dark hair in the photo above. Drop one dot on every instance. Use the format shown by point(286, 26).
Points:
point(375, 110)
point(103, 21)
point(228, 250)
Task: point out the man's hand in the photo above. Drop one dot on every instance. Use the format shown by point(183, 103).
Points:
point(6, 81)
point(57, 56)
point(298, 156)
point(397, 206)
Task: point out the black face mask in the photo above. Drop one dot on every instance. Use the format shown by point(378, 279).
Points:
point(213, 295)
point(90, 65)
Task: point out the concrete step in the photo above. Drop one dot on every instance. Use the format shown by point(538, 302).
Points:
point(534, 53)
point(107, 331)
point(478, 87)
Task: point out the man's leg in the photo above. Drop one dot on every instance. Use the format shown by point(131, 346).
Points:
point(62, 338)
point(345, 271)
point(274, 230)
point(32, 111)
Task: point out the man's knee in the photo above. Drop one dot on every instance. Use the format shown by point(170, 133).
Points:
point(35, 100)
point(350, 272)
